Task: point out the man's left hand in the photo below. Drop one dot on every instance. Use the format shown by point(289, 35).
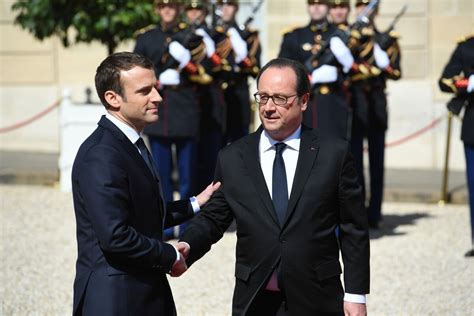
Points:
point(205, 195)
point(354, 309)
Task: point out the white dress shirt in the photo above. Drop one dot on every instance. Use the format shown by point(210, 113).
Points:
point(290, 156)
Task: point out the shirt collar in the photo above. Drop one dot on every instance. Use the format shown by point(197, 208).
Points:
point(131, 134)
point(292, 141)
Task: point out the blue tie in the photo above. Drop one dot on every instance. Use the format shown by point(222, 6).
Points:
point(279, 184)
point(146, 156)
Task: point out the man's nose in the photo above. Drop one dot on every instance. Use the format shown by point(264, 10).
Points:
point(270, 105)
point(156, 97)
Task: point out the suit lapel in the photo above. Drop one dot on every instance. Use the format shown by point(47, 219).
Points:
point(130, 149)
point(307, 156)
point(251, 160)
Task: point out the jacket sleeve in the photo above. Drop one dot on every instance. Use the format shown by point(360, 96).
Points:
point(104, 190)
point(178, 212)
point(452, 72)
point(209, 225)
point(354, 234)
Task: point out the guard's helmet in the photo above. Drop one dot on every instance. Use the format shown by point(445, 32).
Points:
point(318, 1)
point(195, 4)
point(234, 2)
point(161, 2)
point(360, 2)
point(342, 3)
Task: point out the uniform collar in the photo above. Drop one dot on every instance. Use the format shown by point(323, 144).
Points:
point(319, 25)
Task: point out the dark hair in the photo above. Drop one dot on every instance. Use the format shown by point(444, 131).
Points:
point(302, 82)
point(107, 76)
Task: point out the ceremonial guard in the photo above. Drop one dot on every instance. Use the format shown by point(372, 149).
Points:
point(169, 46)
point(327, 60)
point(378, 59)
point(339, 12)
point(458, 78)
point(239, 50)
point(210, 94)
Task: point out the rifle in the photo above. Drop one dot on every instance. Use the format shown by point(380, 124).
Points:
point(363, 18)
point(324, 55)
point(252, 15)
point(385, 40)
point(397, 17)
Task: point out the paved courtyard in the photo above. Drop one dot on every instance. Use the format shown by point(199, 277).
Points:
point(417, 263)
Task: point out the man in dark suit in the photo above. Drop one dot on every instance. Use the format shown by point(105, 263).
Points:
point(458, 78)
point(288, 187)
point(120, 213)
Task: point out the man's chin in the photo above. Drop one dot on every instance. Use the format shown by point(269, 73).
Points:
point(153, 119)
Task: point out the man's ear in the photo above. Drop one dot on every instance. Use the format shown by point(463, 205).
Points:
point(113, 99)
point(304, 101)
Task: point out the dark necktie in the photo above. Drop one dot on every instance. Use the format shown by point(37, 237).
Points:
point(146, 156)
point(279, 183)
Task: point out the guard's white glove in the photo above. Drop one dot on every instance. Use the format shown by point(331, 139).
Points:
point(180, 53)
point(381, 57)
point(169, 77)
point(342, 53)
point(470, 84)
point(210, 45)
point(324, 74)
point(238, 45)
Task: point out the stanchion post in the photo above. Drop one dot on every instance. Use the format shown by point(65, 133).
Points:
point(445, 198)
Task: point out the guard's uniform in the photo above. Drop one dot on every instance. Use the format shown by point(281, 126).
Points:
point(233, 78)
point(371, 118)
point(328, 109)
point(210, 98)
point(455, 79)
point(178, 122)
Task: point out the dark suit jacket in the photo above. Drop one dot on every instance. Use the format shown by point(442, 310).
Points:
point(120, 215)
point(325, 194)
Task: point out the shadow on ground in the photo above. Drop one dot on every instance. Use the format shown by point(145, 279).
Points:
point(391, 222)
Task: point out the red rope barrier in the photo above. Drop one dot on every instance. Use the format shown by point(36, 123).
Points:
point(414, 134)
point(31, 119)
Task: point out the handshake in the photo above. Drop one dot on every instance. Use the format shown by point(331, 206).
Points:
point(179, 267)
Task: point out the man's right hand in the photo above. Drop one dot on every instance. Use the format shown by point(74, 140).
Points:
point(183, 248)
point(179, 267)
point(354, 309)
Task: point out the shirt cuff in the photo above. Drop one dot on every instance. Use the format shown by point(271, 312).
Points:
point(355, 298)
point(177, 255)
point(194, 204)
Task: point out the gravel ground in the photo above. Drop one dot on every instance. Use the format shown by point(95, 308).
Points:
point(417, 260)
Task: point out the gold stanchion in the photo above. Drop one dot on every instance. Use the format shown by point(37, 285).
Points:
point(445, 198)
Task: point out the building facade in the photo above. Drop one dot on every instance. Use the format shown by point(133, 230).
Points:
point(33, 75)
